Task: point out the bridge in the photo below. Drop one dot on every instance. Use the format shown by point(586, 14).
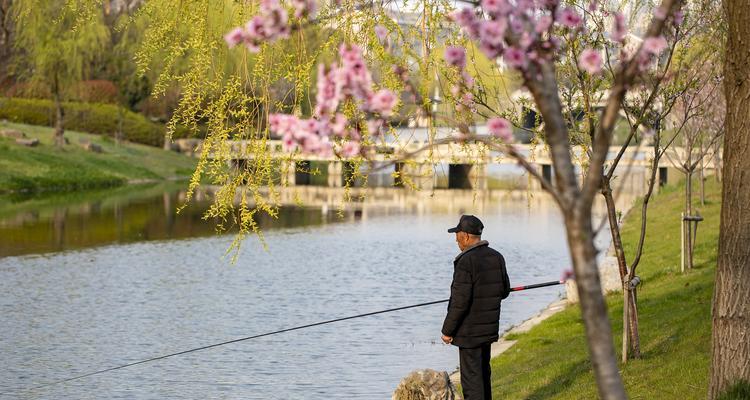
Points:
point(447, 165)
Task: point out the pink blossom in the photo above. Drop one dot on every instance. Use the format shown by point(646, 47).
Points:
point(234, 37)
point(350, 148)
point(492, 32)
point(338, 126)
point(619, 29)
point(568, 17)
point(490, 50)
point(567, 275)
point(455, 56)
point(515, 57)
point(496, 7)
point(328, 95)
point(679, 17)
point(593, 5)
point(500, 128)
point(654, 45)
point(383, 102)
point(288, 143)
point(325, 147)
point(310, 144)
point(660, 13)
point(526, 40)
point(282, 124)
point(590, 61)
point(466, 19)
point(304, 8)
point(543, 24)
point(381, 32)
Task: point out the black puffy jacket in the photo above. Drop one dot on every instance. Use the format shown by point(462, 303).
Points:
point(480, 281)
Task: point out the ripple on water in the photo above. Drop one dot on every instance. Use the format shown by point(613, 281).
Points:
point(76, 312)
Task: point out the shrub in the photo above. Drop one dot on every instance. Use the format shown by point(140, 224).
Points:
point(93, 118)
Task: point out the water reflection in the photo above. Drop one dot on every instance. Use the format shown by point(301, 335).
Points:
point(146, 213)
point(69, 313)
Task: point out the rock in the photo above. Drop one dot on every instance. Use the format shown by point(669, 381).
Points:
point(188, 145)
point(12, 134)
point(93, 147)
point(426, 384)
point(32, 142)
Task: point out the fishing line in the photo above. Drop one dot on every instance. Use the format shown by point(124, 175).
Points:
point(515, 289)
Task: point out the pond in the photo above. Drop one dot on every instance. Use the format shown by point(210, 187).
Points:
point(115, 277)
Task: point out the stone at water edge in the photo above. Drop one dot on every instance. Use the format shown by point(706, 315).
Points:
point(28, 142)
point(12, 134)
point(426, 384)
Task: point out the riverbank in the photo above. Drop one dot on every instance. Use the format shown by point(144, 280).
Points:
point(45, 168)
point(550, 361)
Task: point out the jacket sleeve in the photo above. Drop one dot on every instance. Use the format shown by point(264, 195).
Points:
point(461, 295)
point(506, 280)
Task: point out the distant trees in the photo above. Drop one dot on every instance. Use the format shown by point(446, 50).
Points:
point(57, 42)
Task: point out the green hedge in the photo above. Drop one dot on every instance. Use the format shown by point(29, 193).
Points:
point(93, 118)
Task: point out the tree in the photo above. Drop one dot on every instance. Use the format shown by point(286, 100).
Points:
point(730, 346)
point(57, 40)
point(350, 109)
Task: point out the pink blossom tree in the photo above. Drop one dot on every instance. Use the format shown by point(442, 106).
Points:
point(533, 38)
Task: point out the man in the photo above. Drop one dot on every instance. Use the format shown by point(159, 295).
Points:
point(480, 281)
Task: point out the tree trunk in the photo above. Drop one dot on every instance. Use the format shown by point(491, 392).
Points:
point(629, 331)
point(593, 307)
point(688, 213)
point(120, 119)
point(59, 115)
point(730, 345)
point(703, 179)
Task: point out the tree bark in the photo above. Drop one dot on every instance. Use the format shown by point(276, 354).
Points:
point(630, 341)
point(730, 346)
point(593, 307)
point(59, 115)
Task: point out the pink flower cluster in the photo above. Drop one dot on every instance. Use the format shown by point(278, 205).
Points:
point(351, 81)
point(651, 48)
point(456, 57)
point(525, 22)
point(500, 128)
point(590, 61)
point(271, 24)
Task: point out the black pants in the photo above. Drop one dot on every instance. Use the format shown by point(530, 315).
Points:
point(475, 372)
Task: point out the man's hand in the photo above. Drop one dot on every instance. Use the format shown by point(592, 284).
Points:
point(447, 339)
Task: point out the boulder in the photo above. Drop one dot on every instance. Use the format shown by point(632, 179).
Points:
point(31, 142)
point(188, 145)
point(12, 134)
point(93, 147)
point(426, 384)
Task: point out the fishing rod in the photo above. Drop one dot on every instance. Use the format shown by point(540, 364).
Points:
point(514, 289)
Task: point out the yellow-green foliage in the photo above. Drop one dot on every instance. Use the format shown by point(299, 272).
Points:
point(232, 91)
point(58, 40)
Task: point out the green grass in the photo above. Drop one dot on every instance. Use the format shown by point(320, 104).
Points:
point(47, 168)
point(551, 360)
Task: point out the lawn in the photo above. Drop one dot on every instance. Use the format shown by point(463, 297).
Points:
point(551, 361)
point(47, 168)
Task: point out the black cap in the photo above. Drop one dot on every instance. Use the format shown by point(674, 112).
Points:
point(469, 224)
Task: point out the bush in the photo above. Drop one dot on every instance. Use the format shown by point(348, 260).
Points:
point(101, 119)
point(738, 391)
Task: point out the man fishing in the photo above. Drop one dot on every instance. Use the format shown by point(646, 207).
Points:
point(480, 282)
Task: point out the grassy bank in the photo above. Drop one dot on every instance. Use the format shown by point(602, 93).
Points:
point(47, 168)
point(551, 361)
